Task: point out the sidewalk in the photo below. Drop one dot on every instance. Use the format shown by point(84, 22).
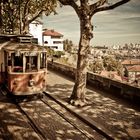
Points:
point(113, 116)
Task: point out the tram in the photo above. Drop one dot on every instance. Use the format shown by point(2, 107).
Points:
point(23, 65)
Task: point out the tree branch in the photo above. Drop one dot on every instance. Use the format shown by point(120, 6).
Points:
point(25, 7)
point(36, 16)
point(71, 3)
point(97, 4)
point(110, 7)
point(66, 2)
point(84, 1)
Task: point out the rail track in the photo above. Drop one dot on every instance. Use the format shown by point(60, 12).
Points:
point(34, 116)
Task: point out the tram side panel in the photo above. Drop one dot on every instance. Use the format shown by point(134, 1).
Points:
point(2, 70)
point(27, 83)
point(0, 67)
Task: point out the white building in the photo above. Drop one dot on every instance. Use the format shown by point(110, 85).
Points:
point(53, 39)
point(35, 29)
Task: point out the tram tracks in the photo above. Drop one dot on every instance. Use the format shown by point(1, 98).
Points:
point(34, 116)
point(31, 122)
point(35, 124)
point(62, 114)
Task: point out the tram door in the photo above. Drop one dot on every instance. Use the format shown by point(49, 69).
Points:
point(5, 66)
point(7, 61)
point(2, 73)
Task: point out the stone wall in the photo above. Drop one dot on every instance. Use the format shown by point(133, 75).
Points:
point(99, 82)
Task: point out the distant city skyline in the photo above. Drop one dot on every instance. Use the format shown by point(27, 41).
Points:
point(115, 27)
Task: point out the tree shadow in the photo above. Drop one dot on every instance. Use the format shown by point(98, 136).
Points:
point(12, 123)
point(114, 115)
point(51, 124)
point(62, 91)
point(105, 110)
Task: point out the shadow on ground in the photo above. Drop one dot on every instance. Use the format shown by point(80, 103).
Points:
point(117, 117)
point(12, 124)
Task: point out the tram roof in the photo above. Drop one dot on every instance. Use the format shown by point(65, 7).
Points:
point(13, 46)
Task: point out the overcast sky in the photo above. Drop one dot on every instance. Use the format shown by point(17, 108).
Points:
point(114, 27)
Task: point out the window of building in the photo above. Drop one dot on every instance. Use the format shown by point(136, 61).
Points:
point(56, 37)
point(54, 47)
point(46, 42)
point(57, 42)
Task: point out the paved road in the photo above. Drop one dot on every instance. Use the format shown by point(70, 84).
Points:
point(119, 117)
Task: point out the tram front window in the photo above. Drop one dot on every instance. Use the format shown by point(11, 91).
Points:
point(31, 63)
point(18, 63)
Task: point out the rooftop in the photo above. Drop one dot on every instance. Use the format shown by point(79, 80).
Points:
point(52, 33)
point(134, 68)
point(131, 62)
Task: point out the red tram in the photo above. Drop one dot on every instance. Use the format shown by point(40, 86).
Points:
point(23, 65)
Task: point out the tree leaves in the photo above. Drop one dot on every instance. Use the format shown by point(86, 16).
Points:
point(20, 13)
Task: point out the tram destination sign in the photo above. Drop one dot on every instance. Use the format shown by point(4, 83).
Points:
point(31, 53)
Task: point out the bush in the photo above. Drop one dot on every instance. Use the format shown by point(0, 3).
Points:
point(58, 54)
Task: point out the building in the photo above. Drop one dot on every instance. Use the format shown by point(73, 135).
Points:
point(53, 39)
point(132, 72)
point(35, 29)
point(132, 69)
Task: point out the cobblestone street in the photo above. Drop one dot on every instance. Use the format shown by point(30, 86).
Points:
point(13, 125)
point(117, 116)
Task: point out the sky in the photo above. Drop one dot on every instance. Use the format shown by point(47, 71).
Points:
point(115, 27)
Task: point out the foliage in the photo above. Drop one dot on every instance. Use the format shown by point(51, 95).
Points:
point(63, 60)
point(58, 54)
point(50, 52)
point(68, 45)
point(20, 13)
point(9, 14)
point(108, 63)
point(96, 66)
point(111, 64)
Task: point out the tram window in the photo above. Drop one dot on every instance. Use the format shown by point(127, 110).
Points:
point(18, 63)
point(43, 60)
point(31, 63)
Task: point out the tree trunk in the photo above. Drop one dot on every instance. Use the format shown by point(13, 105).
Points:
point(25, 27)
point(78, 95)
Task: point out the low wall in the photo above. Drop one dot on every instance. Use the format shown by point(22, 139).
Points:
point(98, 81)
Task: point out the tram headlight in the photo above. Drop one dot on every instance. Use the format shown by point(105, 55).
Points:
point(31, 83)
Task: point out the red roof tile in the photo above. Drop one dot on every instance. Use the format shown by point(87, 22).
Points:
point(111, 74)
point(131, 62)
point(52, 33)
point(134, 68)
